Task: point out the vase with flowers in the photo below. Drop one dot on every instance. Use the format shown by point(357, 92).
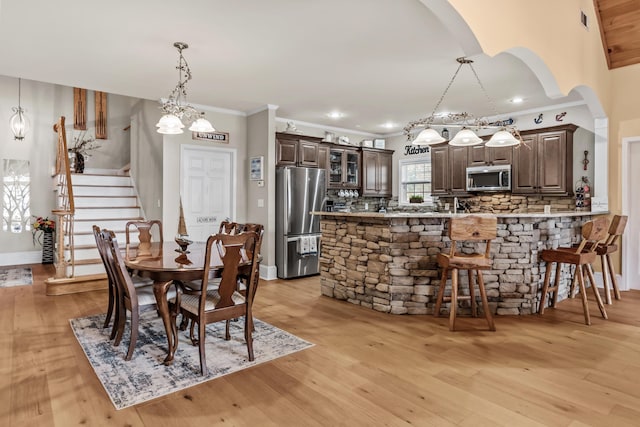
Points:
point(82, 145)
point(43, 229)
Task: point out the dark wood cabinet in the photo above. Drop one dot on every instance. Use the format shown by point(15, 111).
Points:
point(297, 150)
point(344, 168)
point(376, 172)
point(440, 170)
point(458, 167)
point(543, 164)
point(479, 155)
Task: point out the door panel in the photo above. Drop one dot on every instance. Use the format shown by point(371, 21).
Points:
point(524, 166)
point(208, 177)
point(552, 159)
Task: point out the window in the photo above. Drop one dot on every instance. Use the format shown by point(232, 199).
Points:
point(415, 180)
point(16, 199)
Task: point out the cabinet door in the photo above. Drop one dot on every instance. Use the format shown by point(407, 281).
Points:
point(307, 154)
point(439, 170)
point(370, 173)
point(351, 169)
point(385, 162)
point(458, 164)
point(286, 152)
point(323, 160)
point(499, 155)
point(552, 162)
point(476, 155)
point(335, 168)
point(524, 179)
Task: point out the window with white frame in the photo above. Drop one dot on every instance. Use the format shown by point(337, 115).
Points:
point(415, 180)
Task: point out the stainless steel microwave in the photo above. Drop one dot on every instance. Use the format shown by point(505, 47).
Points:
point(489, 178)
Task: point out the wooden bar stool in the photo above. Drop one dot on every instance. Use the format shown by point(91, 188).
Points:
point(606, 248)
point(581, 257)
point(470, 228)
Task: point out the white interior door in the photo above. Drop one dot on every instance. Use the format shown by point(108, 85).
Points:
point(207, 186)
point(631, 207)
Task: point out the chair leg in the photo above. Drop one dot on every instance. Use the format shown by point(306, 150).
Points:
point(545, 288)
point(556, 284)
point(134, 332)
point(110, 308)
point(454, 299)
point(203, 358)
point(191, 336)
point(248, 327)
point(485, 302)
point(119, 328)
point(572, 293)
point(472, 294)
point(614, 281)
point(439, 298)
point(583, 295)
point(589, 270)
point(605, 280)
point(227, 333)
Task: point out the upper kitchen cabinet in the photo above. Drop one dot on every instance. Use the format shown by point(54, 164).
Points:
point(479, 155)
point(448, 170)
point(297, 150)
point(543, 163)
point(376, 172)
point(344, 167)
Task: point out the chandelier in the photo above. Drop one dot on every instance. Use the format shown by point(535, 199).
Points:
point(175, 108)
point(18, 122)
point(507, 135)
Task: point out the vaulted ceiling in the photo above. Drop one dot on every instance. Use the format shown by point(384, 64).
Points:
point(620, 30)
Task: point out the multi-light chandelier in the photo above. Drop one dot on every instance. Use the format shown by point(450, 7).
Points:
point(176, 108)
point(506, 135)
point(18, 122)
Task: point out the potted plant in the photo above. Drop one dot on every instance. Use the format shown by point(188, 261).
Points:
point(416, 199)
point(82, 145)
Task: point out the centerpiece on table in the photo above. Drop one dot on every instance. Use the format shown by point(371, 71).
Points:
point(82, 145)
point(182, 238)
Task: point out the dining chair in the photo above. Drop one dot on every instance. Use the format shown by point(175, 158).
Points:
point(581, 256)
point(228, 227)
point(144, 229)
point(206, 304)
point(112, 288)
point(472, 229)
point(131, 298)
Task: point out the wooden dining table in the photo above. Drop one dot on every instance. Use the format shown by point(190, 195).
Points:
point(161, 262)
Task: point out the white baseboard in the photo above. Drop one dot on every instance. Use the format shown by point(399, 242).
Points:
point(622, 285)
point(20, 258)
point(268, 272)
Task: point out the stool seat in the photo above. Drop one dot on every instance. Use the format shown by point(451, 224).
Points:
point(471, 228)
point(582, 256)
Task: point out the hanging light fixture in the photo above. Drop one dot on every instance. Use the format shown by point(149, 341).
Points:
point(18, 122)
point(507, 135)
point(175, 108)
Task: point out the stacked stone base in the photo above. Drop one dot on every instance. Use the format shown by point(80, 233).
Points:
point(390, 264)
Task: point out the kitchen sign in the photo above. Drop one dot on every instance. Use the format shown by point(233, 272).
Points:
point(415, 149)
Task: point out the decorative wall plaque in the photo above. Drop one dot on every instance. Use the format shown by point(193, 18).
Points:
point(222, 137)
point(101, 115)
point(79, 108)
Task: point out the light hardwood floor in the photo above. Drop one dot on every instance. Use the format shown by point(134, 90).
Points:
point(366, 369)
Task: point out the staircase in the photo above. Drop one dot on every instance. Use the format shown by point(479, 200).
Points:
point(108, 201)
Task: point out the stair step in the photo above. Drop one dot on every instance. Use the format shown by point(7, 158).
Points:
point(93, 190)
point(105, 201)
point(102, 180)
point(95, 213)
point(86, 225)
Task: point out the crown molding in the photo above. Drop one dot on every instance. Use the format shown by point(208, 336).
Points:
point(262, 108)
point(331, 128)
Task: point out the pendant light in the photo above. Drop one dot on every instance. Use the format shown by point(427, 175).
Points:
point(18, 122)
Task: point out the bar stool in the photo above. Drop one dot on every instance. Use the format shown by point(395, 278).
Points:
point(470, 228)
point(605, 249)
point(581, 257)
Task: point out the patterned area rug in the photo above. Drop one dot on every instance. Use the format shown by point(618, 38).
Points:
point(144, 377)
point(15, 277)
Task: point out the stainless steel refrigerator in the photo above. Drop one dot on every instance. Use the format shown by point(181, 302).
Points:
point(298, 192)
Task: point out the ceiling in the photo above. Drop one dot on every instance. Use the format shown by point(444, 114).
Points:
point(620, 30)
point(376, 61)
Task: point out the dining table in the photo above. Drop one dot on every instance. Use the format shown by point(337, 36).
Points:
point(165, 264)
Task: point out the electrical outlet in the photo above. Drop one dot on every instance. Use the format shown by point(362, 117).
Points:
point(261, 203)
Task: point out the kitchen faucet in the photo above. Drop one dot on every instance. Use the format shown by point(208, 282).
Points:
point(455, 205)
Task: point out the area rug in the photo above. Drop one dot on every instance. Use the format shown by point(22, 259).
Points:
point(15, 277)
point(144, 377)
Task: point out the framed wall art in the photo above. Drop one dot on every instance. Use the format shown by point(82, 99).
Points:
point(256, 168)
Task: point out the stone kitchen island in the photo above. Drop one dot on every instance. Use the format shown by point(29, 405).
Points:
point(388, 261)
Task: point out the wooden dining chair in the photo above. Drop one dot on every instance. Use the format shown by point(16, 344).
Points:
point(145, 230)
point(581, 256)
point(468, 229)
point(112, 288)
point(131, 298)
point(223, 302)
point(228, 227)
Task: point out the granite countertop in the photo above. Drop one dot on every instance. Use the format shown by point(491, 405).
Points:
point(391, 215)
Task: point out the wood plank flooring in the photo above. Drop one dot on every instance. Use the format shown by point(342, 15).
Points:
point(366, 369)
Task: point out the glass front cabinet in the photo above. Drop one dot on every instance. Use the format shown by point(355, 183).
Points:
point(344, 168)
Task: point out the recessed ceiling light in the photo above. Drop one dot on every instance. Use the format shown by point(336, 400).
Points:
point(389, 125)
point(517, 100)
point(335, 114)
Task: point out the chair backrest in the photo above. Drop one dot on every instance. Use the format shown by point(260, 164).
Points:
point(119, 270)
point(616, 229)
point(144, 230)
point(472, 228)
point(228, 227)
point(103, 249)
point(592, 232)
point(230, 247)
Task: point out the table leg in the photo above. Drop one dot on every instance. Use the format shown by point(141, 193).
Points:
point(160, 291)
